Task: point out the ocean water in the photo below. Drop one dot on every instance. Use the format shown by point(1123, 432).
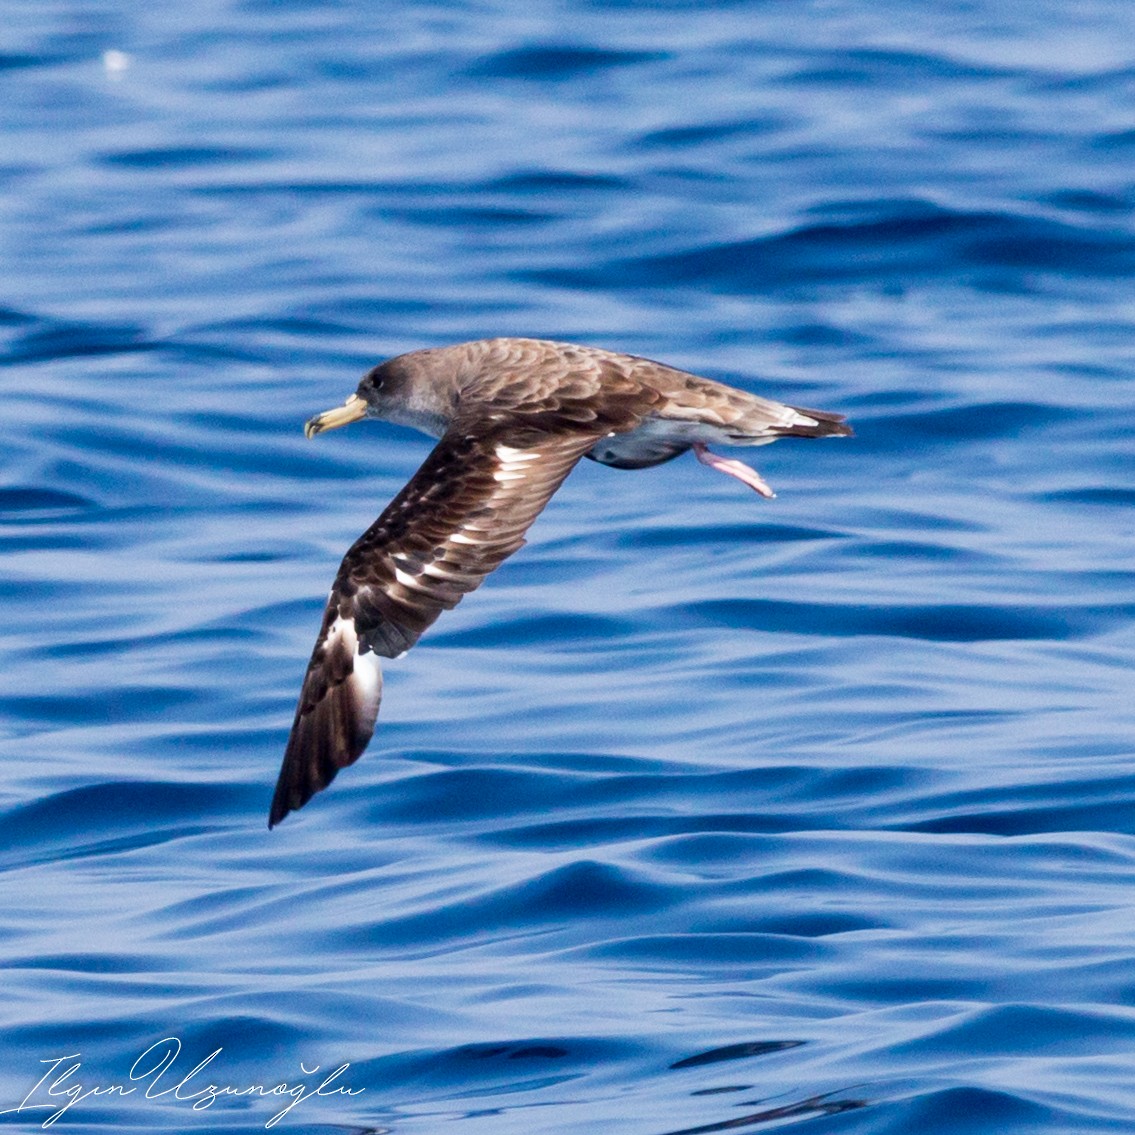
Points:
point(706, 813)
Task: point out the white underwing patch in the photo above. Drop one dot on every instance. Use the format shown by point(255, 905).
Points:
point(508, 455)
point(406, 579)
point(366, 678)
point(513, 463)
point(366, 673)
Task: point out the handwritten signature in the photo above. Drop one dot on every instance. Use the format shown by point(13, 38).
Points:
point(60, 1088)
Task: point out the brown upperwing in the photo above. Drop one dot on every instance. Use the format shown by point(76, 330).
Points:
point(460, 516)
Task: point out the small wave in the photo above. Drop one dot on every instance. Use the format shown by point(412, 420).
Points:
point(556, 62)
point(906, 242)
point(934, 622)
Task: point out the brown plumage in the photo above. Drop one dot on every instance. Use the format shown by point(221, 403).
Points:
point(514, 416)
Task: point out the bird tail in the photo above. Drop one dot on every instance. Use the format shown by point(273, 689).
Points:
point(816, 423)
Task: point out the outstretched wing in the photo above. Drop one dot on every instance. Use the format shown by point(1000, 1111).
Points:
point(461, 515)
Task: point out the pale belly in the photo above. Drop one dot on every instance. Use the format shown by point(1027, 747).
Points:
point(661, 439)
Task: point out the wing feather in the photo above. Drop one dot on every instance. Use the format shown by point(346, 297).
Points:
point(460, 516)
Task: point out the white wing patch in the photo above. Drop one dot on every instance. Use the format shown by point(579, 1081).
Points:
point(365, 679)
point(406, 579)
point(513, 463)
point(508, 455)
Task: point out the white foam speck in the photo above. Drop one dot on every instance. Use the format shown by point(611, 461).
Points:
point(115, 62)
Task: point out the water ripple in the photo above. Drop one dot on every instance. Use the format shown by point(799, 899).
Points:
point(705, 813)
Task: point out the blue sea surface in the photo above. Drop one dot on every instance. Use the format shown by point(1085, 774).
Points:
point(706, 813)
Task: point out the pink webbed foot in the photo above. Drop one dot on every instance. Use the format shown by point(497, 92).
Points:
point(734, 468)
